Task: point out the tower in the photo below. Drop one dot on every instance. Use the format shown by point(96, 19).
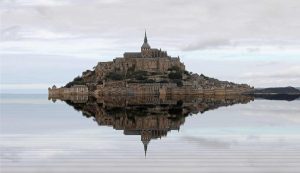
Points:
point(145, 49)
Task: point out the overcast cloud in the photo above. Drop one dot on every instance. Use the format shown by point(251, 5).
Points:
point(202, 32)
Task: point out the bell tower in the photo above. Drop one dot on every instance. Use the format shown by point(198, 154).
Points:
point(145, 49)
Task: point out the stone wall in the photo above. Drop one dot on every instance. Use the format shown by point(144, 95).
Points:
point(76, 89)
point(121, 88)
point(131, 89)
point(123, 65)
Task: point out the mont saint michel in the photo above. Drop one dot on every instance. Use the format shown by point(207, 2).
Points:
point(150, 71)
point(149, 86)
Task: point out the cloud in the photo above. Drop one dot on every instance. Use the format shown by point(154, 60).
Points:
point(208, 143)
point(249, 45)
point(253, 49)
point(291, 72)
point(10, 33)
point(18, 3)
point(189, 21)
point(17, 33)
point(214, 43)
point(272, 75)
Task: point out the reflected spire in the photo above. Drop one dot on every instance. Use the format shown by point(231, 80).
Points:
point(145, 146)
point(145, 138)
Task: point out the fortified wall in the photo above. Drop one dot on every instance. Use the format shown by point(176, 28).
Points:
point(74, 90)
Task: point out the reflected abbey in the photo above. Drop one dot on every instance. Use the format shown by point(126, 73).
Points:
point(150, 117)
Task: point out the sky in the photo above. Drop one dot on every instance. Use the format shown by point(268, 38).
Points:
point(245, 41)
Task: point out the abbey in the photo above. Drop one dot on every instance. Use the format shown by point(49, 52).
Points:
point(148, 59)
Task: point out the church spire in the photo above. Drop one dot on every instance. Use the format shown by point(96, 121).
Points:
point(145, 38)
point(145, 45)
point(145, 148)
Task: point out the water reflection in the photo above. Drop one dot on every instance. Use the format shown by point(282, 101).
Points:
point(39, 136)
point(285, 97)
point(150, 117)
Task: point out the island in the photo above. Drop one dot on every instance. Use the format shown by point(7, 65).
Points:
point(150, 71)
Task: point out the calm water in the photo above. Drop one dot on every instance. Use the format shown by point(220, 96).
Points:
point(206, 135)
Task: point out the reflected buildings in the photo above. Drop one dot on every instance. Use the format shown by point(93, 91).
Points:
point(150, 117)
